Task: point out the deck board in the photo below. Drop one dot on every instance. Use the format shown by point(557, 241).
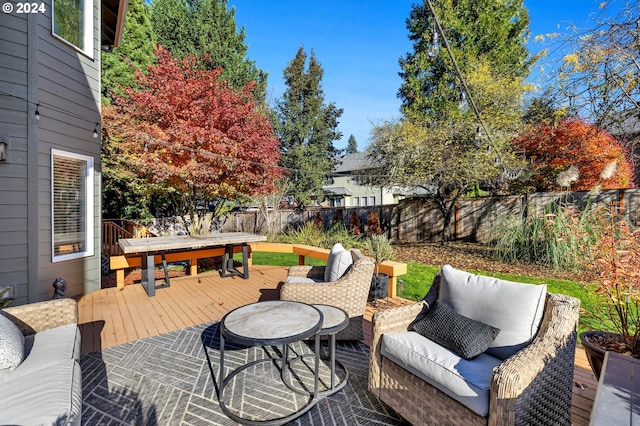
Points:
point(113, 316)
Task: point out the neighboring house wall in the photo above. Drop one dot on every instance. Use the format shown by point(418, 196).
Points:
point(350, 193)
point(39, 68)
point(345, 189)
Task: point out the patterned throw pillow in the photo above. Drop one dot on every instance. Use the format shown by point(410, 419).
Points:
point(466, 337)
point(11, 344)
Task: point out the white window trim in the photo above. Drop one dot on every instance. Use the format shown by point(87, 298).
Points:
point(89, 208)
point(88, 23)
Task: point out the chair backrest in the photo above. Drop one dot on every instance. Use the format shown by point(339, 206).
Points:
point(361, 267)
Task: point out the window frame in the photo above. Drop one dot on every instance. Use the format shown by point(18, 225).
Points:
point(89, 206)
point(88, 36)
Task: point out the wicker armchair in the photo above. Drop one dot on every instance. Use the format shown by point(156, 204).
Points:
point(349, 292)
point(531, 387)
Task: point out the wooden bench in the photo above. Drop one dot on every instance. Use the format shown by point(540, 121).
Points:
point(121, 263)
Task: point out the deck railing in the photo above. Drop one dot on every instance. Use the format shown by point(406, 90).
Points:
point(114, 229)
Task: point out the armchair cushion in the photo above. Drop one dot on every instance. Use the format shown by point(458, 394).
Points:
point(466, 337)
point(514, 308)
point(338, 262)
point(294, 279)
point(467, 382)
point(11, 344)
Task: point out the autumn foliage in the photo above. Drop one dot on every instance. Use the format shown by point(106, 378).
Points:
point(185, 131)
point(577, 155)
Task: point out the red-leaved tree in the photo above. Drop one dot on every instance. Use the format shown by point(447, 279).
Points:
point(575, 154)
point(187, 133)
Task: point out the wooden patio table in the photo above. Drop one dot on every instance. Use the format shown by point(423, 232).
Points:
point(149, 247)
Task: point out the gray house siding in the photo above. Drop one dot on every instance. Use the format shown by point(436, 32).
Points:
point(66, 84)
point(13, 174)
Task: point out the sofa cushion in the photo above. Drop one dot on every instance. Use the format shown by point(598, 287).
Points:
point(338, 262)
point(466, 381)
point(466, 337)
point(51, 396)
point(11, 344)
point(46, 348)
point(515, 308)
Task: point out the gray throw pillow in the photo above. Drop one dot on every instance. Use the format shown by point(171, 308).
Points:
point(338, 262)
point(466, 337)
point(11, 344)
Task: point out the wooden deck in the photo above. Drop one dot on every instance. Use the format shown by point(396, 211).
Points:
point(114, 316)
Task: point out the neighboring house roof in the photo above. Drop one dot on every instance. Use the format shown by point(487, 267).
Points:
point(339, 190)
point(627, 125)
point(113, 13)
point(352, 163)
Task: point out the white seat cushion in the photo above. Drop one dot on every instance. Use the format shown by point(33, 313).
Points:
point(49, 396)
point(338, 262)
point(46, 348)
point(514, 308)
point(466, 381)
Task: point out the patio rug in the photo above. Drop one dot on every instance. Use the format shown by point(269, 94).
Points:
point(172, 379)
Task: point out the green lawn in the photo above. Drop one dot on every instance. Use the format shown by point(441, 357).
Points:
point(415, 283)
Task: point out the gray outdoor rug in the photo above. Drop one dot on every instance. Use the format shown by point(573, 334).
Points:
point(172, 379)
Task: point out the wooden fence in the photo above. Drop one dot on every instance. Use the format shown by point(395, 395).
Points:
point(476, 220)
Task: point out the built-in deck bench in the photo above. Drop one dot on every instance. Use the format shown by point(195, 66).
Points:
point(124, 262)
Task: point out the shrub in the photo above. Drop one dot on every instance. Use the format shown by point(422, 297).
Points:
point(560, 238)
point(373, 224)
point(354, 224)
point(310, 234)
point(379, 248)
point(615, 258)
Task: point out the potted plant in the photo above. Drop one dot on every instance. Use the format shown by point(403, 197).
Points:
point(379, 248)
point(615, 259)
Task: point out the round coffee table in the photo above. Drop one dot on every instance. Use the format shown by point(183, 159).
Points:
point(270, 323)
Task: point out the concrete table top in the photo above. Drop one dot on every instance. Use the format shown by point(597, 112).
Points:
point(271, 322)
point(157, 244)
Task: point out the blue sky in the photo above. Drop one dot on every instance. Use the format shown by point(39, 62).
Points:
point(358, 43)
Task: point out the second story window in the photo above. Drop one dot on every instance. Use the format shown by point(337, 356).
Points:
point(72, 21)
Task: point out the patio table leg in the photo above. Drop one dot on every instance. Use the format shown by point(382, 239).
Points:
point(147, 277)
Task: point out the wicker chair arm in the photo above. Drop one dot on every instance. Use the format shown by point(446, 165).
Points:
point(391, 320)
point(40, 316)
point(527, 382)
point(307, 271)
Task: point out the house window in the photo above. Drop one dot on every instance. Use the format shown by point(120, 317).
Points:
point(372, 201)
point(72, 21)
point(72, 205)
point(364, 202)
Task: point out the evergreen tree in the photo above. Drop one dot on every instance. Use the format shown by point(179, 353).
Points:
point(352, 146)
point(135, 52)
point(306, 126)
point(207, 29)
point(492, 31)
point(122, 191)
